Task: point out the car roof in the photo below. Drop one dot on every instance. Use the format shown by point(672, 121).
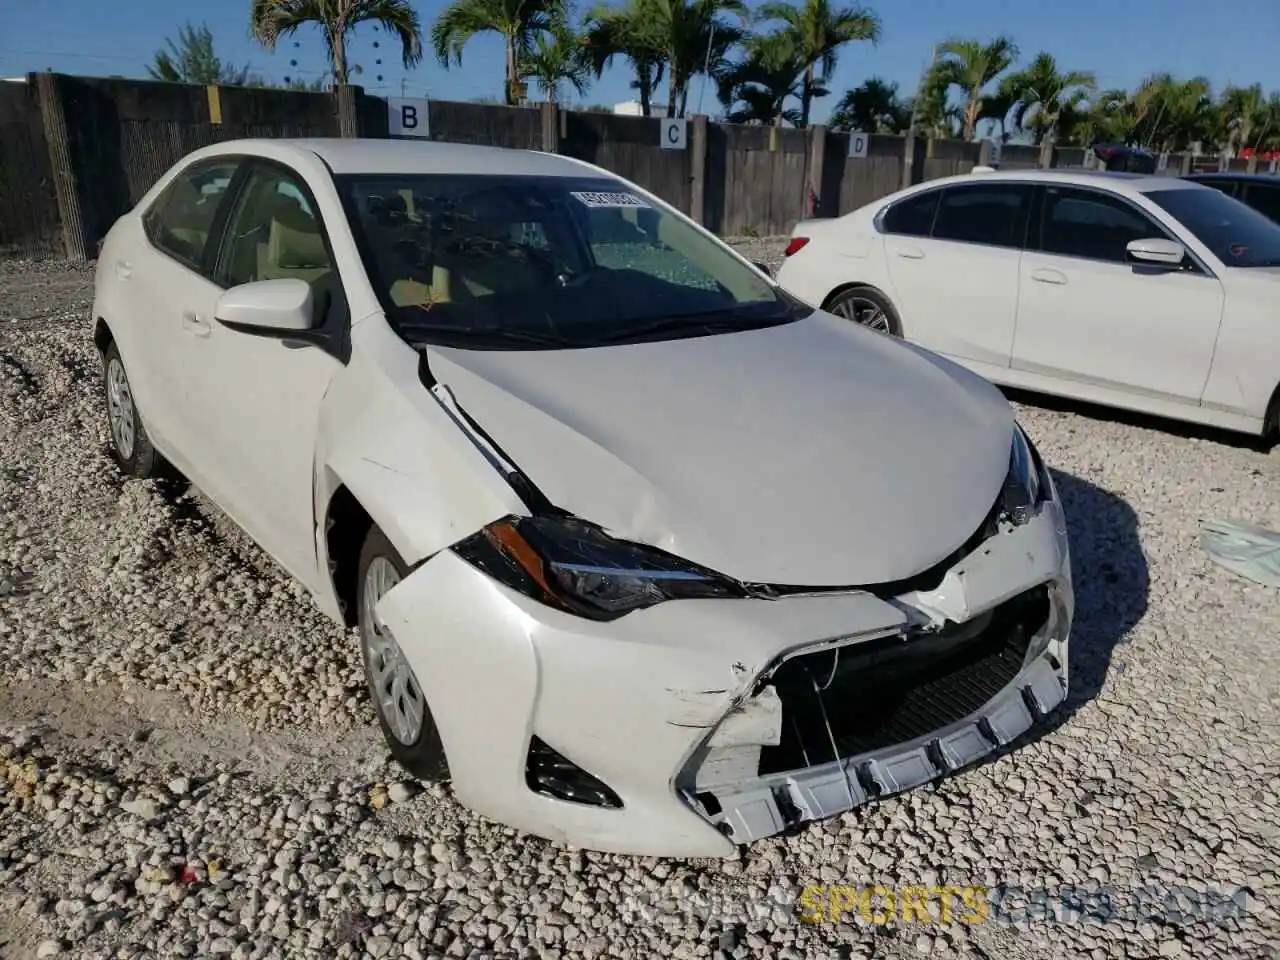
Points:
point(1115, 180)
point(1270, 178)
point(370, 156)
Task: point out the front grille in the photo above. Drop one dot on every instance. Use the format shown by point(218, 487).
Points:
point(850, 700)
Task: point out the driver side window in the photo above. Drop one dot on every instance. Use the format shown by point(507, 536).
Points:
point(274, 233)
point(1093, 226)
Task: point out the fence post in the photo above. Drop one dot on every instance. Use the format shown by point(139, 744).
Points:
point(70, 212)
point(348, 118)
point(550, 127)
point(698, 170)
point(817, 154)
point(908, 160)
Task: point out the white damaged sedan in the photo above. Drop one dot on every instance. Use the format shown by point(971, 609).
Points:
point(644, 555)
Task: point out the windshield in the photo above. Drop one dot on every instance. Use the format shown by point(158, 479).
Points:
point(494, 262)
point(1238, 235)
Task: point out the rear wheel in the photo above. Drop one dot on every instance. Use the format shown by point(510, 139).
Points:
point(867, 308)
point(129, 441)
point(398, 699)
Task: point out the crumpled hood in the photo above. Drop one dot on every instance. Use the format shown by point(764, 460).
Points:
point(814, 453)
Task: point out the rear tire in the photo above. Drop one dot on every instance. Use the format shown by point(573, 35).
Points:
point(867, 308)
point(398, 699)
point(130, 444)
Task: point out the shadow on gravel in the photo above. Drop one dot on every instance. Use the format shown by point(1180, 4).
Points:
point(1112, 583)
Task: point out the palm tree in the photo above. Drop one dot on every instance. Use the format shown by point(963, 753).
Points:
point(762, 82)
point(556, 57)
point(817, 31)
point(516, 21)
point(191, 59)
point(873, 107)
point(997, 106)
point(691, 37)
point(625, 31)
point(1243, 112)
point(1044, 95)
point(1172, 114)
point(269, 20)
point(933, 113)
point(971, 66)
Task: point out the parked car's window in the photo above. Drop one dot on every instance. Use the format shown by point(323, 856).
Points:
point(990, 213)
point(1083, 223)
point(273, 233)
point(1265, 199)
point(913, 217)
point(525, 262)
point(1226, 186)
point(1237, 234)
point(180, 220)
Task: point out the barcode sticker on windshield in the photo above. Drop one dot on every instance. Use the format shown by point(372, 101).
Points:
point(597, 199)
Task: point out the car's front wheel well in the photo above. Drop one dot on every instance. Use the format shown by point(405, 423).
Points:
point(347, 524)
point(102, 337)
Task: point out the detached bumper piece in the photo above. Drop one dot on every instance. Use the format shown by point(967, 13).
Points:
point(867, 720)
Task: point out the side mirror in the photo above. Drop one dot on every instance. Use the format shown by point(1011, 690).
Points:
point(268, 308)
point(762, 267)
point(1168, 253)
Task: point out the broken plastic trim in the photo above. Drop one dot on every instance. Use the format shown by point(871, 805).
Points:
point(549, 772)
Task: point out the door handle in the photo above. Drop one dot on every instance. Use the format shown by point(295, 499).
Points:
point(1046, 275)
point(910, 253)
point(123, 269)
point(196, 326)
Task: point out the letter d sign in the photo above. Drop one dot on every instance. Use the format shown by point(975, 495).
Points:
point(408, 118)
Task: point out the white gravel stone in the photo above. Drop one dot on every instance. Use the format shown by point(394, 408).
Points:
point(147, 647)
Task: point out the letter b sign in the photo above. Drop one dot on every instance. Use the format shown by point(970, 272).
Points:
point(408, 118)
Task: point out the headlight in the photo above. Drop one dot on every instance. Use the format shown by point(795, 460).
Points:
point(577, 567)
point(1023, 490)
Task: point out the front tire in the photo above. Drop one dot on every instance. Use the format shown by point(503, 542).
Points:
point(866, 307)
point(129, 441)
point(398, 698)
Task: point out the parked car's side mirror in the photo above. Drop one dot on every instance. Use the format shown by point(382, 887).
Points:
point(268, 308)
point(763, 267)
point(1157, 250)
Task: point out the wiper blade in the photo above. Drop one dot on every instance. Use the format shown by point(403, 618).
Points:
point(728, 321)
point(488, 334)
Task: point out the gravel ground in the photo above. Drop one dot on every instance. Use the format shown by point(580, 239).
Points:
point(189, 766)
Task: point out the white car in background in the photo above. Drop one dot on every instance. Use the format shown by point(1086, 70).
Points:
point(1142, 292)
point(644, 554)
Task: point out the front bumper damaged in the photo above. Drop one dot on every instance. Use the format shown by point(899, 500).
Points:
point(690, 711)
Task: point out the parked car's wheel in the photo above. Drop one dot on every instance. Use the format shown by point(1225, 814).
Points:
point(867, 307)
point(398, 700)
point(129, 441)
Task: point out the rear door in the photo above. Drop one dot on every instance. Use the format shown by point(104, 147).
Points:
point(956, 284)
point(164, 276)
point(1088, 314)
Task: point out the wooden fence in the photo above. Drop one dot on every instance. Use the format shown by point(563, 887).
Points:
point(76, 152)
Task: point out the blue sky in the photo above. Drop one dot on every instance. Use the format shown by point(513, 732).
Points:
point(1120, 41)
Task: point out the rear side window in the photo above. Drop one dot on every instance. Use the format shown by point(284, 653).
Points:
point(1265, 199)
point(913, 217)
point(181, 219)
point(1226, 186)
point(1082, 223)
point(989, 213)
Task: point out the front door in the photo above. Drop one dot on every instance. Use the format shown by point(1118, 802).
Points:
point(261, 395)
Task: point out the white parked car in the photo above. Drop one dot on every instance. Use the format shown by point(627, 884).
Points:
point(644, 554)
point(1141, 292)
